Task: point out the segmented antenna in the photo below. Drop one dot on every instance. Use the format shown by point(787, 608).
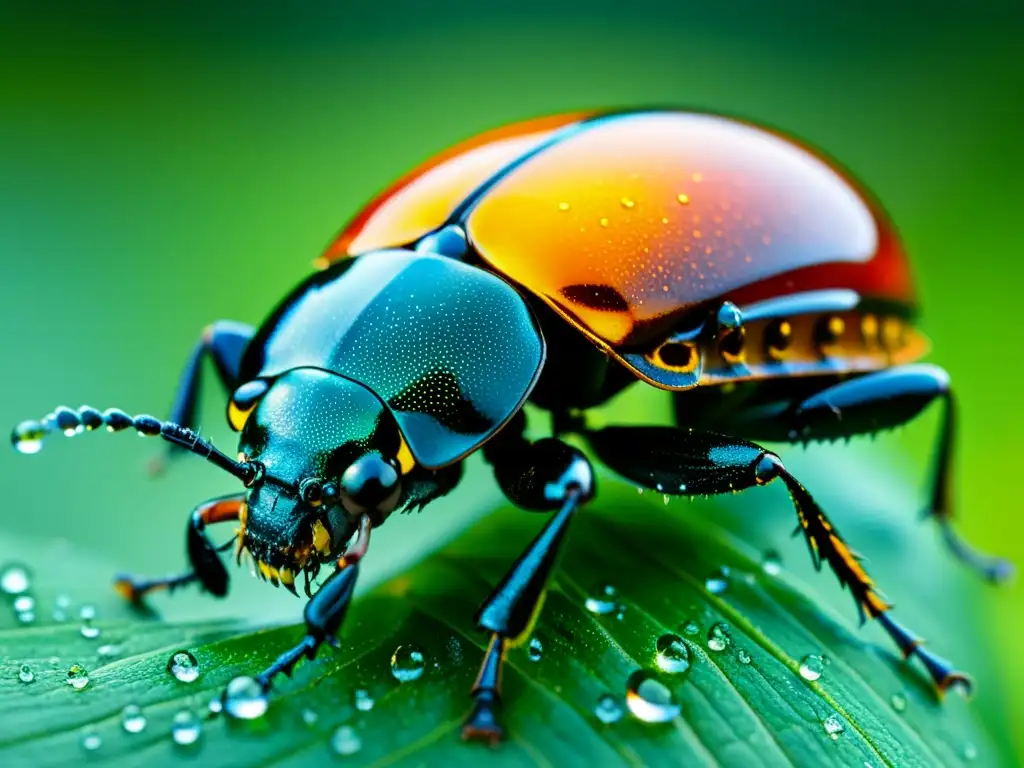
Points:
point(28, 436)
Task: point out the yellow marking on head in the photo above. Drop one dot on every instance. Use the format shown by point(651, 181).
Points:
point(406, 462)
point(237, 417)
point(321, 538)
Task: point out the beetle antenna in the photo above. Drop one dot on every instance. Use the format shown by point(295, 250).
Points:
point(28, 436)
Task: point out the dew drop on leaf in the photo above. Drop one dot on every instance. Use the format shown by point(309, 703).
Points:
point(132, 719)
point(216, 705)
point(25, 674)
point(78, 677)
point(91, 741)
point(811, 667)
point(673, 654)
point(183, 667)
point(718, 637)
point(108, 651)
point(363, 700)
point(649, 698)
point(185, 728)
point(743, 656)
point(970, 752)
point(345, 741)
point(535, 650)
point(309, 716)
point(833, 727)
point(24, 604)
point(602, 600)
point(691, 628)
point(771, 563)
point(245, 699)
point(718, 581)
point(608, 709)
point(898, 702)
point(407, 663)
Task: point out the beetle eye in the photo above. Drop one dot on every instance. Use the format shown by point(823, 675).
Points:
point(311, 491)
point(330, 492)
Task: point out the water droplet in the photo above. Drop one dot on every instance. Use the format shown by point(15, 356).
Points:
point(364, 701)
point(833, 727)
point(771, 563)
point(132, 719)
point(563, 206)
point(743, 656)
point(691, 628)
point(718, 581)
point(407, 663)
point(898, 701)
point(649, 699)
point(970, 752)
point(718, 637)
point(683, 198)
point(245, 699)
point(604, 222)
point(26, 617)
point(811, 667)
point(345, 741)
point(608, 709)
point(25, 674)
point(673, 654)
point(640, 490)
point(91, 741)
point(309, 716)
point(87, 613)
point(24, 603)
point(186, 728)
point(665, 498)
point(15, 579)
point(627, 202)
point(27, 437)
point(183, 666)
point(108, 651)
point(90, 632)
point(216, 706)
point(78, 677)
point(535, 650)
point(603, 600)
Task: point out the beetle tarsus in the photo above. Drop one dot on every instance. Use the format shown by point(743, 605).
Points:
point(483, 723)
point(286, 662)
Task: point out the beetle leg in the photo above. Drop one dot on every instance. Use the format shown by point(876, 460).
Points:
point(681, 461)
point(207, 567)
point(544, 475)
point(324, 614)
point(885, 399)
point(224, 342)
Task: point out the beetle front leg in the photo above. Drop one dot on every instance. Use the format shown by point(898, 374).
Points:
point(685, 462)
point(541, 476)
point(207, 567)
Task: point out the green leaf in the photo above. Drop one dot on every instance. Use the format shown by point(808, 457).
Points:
point(733, 711)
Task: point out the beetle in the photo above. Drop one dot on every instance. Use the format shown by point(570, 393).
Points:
point(557, 262)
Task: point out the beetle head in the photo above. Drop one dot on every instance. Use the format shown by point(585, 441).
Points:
point(326, 450)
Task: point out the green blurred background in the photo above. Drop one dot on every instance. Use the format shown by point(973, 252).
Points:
point(162, 169)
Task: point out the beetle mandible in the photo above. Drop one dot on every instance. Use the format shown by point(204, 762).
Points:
point(556, 262)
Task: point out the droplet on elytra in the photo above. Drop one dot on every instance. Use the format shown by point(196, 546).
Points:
point(78, 677)
point(345, 740)
point(407, 663)
point(132, 719)
point(673, 654)
point(91, 741)
point(15, 579)
point(833, 726)
point(25, 674)
point(245, 699)
point(603, 600)
point(649, 699)
point(811, 667)
point(970, 752)
point(691, 628)
point(718, 637)
point(535, 650)
point(718, 581)
point(364, 701)
point(743, 656)
point(186, 728)
point(608, 709)
point(309, 716)
point(183, 666)
point(771, 563)
point(898, 702)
